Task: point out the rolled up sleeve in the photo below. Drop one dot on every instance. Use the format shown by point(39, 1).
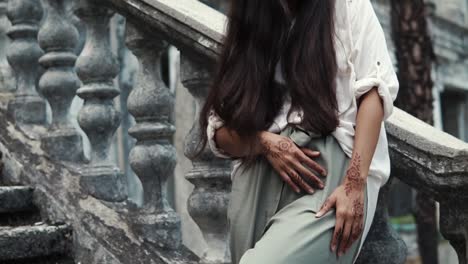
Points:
point(370, 56)
point(215, 122)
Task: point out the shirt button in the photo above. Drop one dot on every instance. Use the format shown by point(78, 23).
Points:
point(378, 63)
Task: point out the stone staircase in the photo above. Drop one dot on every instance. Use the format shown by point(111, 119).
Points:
point(24, 237)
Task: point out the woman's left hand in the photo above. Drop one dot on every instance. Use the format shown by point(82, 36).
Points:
point(348, 199)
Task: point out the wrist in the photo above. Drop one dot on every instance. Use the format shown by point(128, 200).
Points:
point(262, 141)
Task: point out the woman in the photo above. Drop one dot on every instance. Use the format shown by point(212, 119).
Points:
point(298, 101)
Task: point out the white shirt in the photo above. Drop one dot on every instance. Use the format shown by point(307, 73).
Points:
point(363, 63)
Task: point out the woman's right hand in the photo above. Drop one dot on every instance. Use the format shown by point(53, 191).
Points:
point(288, 160)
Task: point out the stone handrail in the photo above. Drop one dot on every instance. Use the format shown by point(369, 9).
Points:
point(422, 157)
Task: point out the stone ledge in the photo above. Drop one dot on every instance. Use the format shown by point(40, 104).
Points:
point(426, 158)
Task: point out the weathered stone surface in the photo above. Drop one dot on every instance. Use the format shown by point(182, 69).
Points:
point(189, 25)
point(153, 157)
point(96, 67)
point(426, 158)
point(101, 232)
point(7, 80)
point(208, 203)
point(23, 54)
point(383, 245)
point(44, 260)
point(58, 37)
point(16, 199)
point(34, 241)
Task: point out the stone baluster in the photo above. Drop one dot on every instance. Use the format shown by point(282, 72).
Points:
point(383, 244)
point(23, 55)
point(7, 83)
point(58, 37)
point(96, 66)
point(208, 202)
point(454, 225)
point(153, 158)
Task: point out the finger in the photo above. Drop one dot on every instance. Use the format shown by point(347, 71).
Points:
point(289, 182)
point(308, 174)
point(337, 233)
point(327, 206)
point(310, 153)
point(298, 180)
point(311, 163)
point(355, 233)
point(345, 236)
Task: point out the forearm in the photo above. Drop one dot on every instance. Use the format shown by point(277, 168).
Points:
point(368, 123)
point(230, 142)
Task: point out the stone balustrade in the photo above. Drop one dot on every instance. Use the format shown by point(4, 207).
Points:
point(422, 156)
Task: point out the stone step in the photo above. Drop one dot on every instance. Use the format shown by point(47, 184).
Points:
point(16, 206)
point(16, 199)
point(25, 242)
point(59, 259)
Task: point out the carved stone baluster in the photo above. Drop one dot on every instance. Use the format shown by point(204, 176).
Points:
point(96, 67)
point(58, 38)
point(7, 83)
point(208, 203)
point(454, 225)
point(383, 244)
point(153, 158)
point(23, 54)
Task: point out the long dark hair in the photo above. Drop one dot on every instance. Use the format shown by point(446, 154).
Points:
point(243, 93)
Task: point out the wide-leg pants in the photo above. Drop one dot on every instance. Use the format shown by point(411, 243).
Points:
point(271, 224)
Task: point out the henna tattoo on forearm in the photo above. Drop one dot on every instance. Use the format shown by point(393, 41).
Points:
point(354, 181)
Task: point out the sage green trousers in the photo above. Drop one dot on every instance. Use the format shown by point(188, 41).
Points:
point(271, 224)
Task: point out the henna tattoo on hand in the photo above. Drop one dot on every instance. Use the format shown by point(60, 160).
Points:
point(337, 236)
point(353, 176)
point(325, 204)
point(284, 145)
point(299, 180)
point(358, 209)
point(355, 236)
point(266, 149)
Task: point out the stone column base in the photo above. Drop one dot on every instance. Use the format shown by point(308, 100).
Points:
point(161, 229)
point(27, 110)
point(104, 183)
point(63, 144)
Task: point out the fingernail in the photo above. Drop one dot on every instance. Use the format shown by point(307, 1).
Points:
point(340, 254)
point(311, 191)
point(333, 248)
point(316, 153)
point(324, 173)
point(319, 214)
point(321, 186)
